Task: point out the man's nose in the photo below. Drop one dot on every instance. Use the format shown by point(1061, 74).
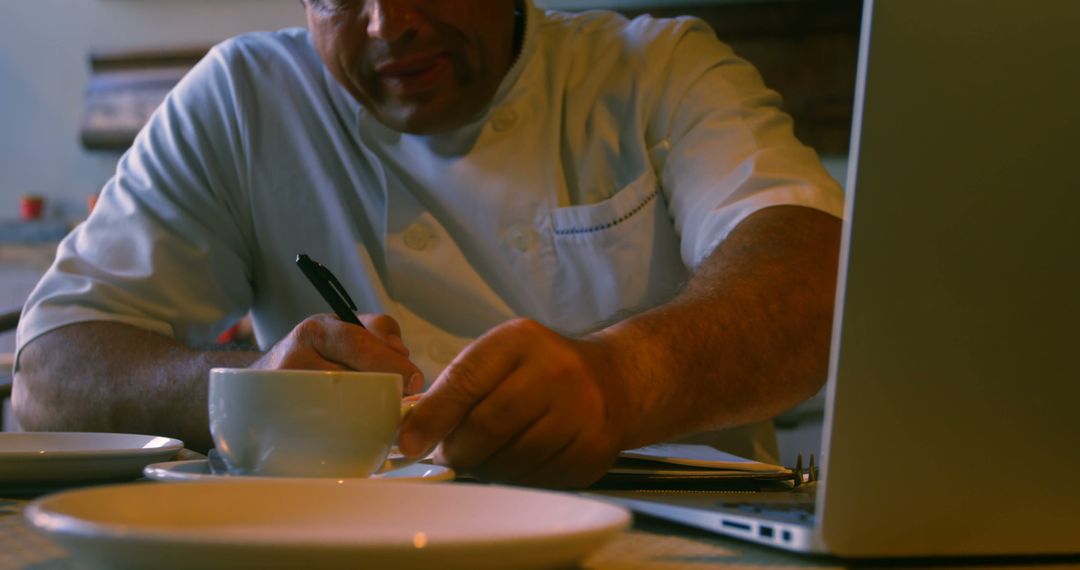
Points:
point(389, 20)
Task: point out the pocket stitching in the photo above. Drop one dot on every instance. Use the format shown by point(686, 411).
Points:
point(600, 227)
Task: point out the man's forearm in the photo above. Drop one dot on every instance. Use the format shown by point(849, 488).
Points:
point(113, 377)
point(746, 340)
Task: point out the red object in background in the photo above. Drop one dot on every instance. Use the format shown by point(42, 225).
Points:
point(31, 207)
point(229, 335)
point(91, 201)
point(240, 334)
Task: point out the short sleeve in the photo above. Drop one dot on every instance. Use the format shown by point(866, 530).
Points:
point(166, 247)
point(723, 147)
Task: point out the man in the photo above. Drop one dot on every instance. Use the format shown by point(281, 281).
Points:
point(587, 234)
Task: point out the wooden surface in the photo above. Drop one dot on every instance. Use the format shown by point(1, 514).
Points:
point(650, 544)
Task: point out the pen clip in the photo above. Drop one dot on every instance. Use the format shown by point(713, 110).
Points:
point(336, 285)
point(329, 288)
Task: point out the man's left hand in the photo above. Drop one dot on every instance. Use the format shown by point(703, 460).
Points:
point(526, 405)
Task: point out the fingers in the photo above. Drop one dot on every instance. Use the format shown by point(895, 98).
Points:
point(387, 329)
point(577, 465)
point(323, 342)
point(554, 452)
point(528, 451)
point(465, 382)
point(546, 433)
point(521, 404)
point(508, 411)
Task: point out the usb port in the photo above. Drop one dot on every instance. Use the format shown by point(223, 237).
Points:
point(736, 525)
point(765, 531)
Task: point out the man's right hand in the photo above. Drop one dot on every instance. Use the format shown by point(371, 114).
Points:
point(324, 342)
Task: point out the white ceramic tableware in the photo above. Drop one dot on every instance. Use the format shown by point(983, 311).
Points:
point(58, 458)
point(199, 470)
point(270, 523)
point(305, 423)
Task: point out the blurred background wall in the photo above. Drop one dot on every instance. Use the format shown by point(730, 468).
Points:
point(44, 47)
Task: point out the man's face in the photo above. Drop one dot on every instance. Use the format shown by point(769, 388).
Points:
point(419, 66)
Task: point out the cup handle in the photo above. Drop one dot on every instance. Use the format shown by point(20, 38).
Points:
point(392, 463)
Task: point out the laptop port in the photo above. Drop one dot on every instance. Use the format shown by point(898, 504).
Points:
point(765, 531)
point(786, 535)
point(735, 525)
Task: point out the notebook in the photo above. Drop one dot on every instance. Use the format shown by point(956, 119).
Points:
point(951, 417)
point(688, 466)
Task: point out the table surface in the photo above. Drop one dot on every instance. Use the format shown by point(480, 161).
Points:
point(650, 544)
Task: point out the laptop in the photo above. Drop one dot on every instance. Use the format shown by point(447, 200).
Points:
point(954, 384)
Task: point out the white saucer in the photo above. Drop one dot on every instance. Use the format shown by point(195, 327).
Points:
point(58, 458)
point(199, 470)
point(267, 523)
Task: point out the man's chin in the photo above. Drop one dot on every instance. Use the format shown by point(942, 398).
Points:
point(424, 119)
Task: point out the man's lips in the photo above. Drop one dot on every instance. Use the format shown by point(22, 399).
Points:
point(409, 65)
point(413, 74)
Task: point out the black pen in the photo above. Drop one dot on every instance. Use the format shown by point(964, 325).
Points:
point(329, 287)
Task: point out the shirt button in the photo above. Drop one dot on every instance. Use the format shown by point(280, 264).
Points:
point(417, 237)
point(504, 119)
point(441, 351)
point(520, 237)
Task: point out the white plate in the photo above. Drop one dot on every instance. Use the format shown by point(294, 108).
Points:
point(199, 470)
point(58, 458)
point(265, 523)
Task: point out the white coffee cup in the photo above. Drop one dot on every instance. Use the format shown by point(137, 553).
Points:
point(306, 423)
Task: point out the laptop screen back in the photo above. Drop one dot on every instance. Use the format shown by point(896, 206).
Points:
point(954, 386)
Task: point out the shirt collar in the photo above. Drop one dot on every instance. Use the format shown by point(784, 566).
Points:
point(533, 16)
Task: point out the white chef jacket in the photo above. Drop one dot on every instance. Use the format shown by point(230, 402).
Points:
point(614, 157)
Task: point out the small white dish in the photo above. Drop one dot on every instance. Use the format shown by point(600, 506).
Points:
point(199, 470)
point(268, 523)
point(59, 458)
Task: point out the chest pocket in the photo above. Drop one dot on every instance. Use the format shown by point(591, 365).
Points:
point(613, 257)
